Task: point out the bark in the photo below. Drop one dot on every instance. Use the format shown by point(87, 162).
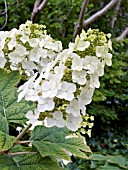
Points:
point(38, 6)
point(6, 15)
point(117, 7)
point(123, 35)
point(79, 26)
point(99, 13)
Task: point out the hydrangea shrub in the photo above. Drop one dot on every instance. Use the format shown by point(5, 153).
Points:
point(60, 82)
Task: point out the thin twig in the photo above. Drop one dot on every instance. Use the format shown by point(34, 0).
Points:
point(20, 153)
point(117, 7)
point(99, 13)
point(37, 8)
point(23, 131)
point(23, 142)
point(79, 26)
point(42, 5)
point(6, 15)
point(123, 35)
point(3, 12)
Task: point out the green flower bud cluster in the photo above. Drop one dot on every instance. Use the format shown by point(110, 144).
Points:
point(86, 125)
point(96, 38)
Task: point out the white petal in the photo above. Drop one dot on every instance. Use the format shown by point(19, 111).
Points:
point(45, 94)
point(87, 101)
point(69, 109)
point(72, 87)
point(41, 107)
point(32, 120)
point(48, 122)
point(60, 123)
point(58, 115)
point(76, 112)
point(31, 98)
point(82, 81)
point(50, 106)
point(21, 95)
point(61, 94)
point(45, 86)
point(33, 42)
point(53, 93)
point(69, 96)
point(37, 123)
point(29, 114)
point(83, 45)
point(108, 59)
point(64, 86)
point(41, 100)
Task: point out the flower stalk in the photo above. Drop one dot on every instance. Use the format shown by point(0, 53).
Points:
point(20, 153)
point(23, 131)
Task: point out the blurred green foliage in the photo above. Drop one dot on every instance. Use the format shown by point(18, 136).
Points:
point(60, 16)
point(99, 162)
point(110, 102)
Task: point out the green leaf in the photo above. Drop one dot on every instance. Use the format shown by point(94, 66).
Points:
point(12, 110)
point(35, 161)
point(3, 124)
point(97, 157)
point(53, 141)
point(7, 163)
point(16, 148)
point(108, 167)
point(118, 160)
point(28, 162)
point(6, 141)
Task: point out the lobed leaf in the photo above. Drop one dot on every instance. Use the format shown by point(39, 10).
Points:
point(12, 110)
point(28, 162)
point(35, 161)
point(53, 142)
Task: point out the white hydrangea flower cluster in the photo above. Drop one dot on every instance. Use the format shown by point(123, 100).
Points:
point(27, 49)
point(62, 83)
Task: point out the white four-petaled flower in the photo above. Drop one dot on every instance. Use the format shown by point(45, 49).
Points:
point(45, 104)
point(79, 77)
point(73, 108)
point(67, 91)
point(33, 118)
point(57, 120)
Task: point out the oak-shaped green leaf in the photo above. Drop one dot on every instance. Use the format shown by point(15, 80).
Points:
point(28, 162)
point(53, 141)
point(35, 161)
point(12, 110)
point(6, 141)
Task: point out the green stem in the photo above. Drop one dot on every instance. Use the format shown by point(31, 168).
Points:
point(23, 142)
point(20, 153)
point(23, 131)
